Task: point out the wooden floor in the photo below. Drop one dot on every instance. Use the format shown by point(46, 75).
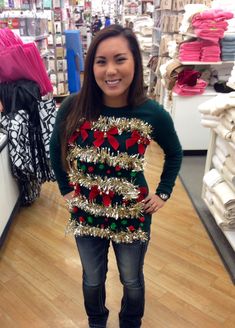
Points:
point(187, 285)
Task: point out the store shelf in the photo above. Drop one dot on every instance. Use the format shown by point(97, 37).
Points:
point(28, 39)
point(200, 63)
point(229, 234)
point(209, 91)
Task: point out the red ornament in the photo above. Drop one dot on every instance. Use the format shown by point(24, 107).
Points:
point(81, 219)
point(108, 171)
point(143, 193)
point(131, 228)
point(118, 168)
point(77, 190)
point(142, 219)
point(91, 169)
point(75, 209)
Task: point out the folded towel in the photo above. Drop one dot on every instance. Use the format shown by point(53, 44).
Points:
point(230, 115)
point(211, 178)
point(209, 123)
point(222, 145)
point(220, 155)
point(223, 132)
point(221, 222)
point(228, 175)
point(217, 164)
point(225, 194)
point(230, 164)
point(233, 137)
point(230, 126)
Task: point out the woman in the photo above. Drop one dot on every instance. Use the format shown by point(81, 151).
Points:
point(103, 133)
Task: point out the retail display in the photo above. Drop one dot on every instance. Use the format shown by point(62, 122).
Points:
point(29, 121)
point(219, 180)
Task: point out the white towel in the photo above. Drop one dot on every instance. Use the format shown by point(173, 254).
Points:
point(208, 195)
point(211, 178)
point(229, 125)
point(230, 164)
point(223, 132)
point(220, 155)
point(228, 215)
point(233, 137)
point(225, 194)
point(222, 145)
point(230, 114)
point(228, 175)
point(209, 123)
point(217, 163)
point(223, 224)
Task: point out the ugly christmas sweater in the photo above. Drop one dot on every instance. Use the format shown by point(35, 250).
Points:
point(106, 160)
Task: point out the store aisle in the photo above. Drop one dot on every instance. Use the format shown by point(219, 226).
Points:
point(40, 273)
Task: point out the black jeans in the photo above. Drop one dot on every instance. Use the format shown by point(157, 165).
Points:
point(130, 259)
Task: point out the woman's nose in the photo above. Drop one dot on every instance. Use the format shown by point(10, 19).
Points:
point(111, 69)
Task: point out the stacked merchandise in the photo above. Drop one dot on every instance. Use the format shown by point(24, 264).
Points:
point(227, 5)
point(228, 47)
point(219, 182)
point(231, 80)
point(143, 26)
point(209, 26)
point(219, 113)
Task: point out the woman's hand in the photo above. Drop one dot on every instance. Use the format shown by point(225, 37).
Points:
point(69, 195)
point(153, 203)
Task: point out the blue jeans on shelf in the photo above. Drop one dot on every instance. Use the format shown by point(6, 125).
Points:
point(130, 259)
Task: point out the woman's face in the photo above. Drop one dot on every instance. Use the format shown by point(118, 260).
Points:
point(114, 69)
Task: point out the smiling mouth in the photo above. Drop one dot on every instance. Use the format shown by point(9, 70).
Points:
point(112, 82)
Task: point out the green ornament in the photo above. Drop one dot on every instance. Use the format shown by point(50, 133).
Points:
point(141, 224)
point(113, 226)
point(124, 222)
point(90, 219)
point(119, 173)
point(133, 174)
point(83, 167)
point(101, 166)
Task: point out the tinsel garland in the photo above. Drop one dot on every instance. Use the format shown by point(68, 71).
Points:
point(116, 211)
point(105, 156)
point(118, 237)
point(105, 123)
point(120, 185)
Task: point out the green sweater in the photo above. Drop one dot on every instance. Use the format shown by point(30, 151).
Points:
point(106, 160)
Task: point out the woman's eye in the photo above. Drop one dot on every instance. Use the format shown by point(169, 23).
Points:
point(100, 62)
point(121, 59)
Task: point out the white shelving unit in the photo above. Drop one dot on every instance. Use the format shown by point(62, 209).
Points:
point(230, 235)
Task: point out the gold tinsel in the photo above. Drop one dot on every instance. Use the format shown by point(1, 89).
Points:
point(118, 237)
point(120, 186)
point(104, 155)
point(116, 211)
point(105, 123)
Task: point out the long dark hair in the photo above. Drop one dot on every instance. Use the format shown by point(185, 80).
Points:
point(88, 103)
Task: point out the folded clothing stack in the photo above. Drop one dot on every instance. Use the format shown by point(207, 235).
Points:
point(221, 198)
point(222, 107)
point(189, 83)
point(228, 47)
point(211, 24)
point(190, 51)
point(203, 50)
